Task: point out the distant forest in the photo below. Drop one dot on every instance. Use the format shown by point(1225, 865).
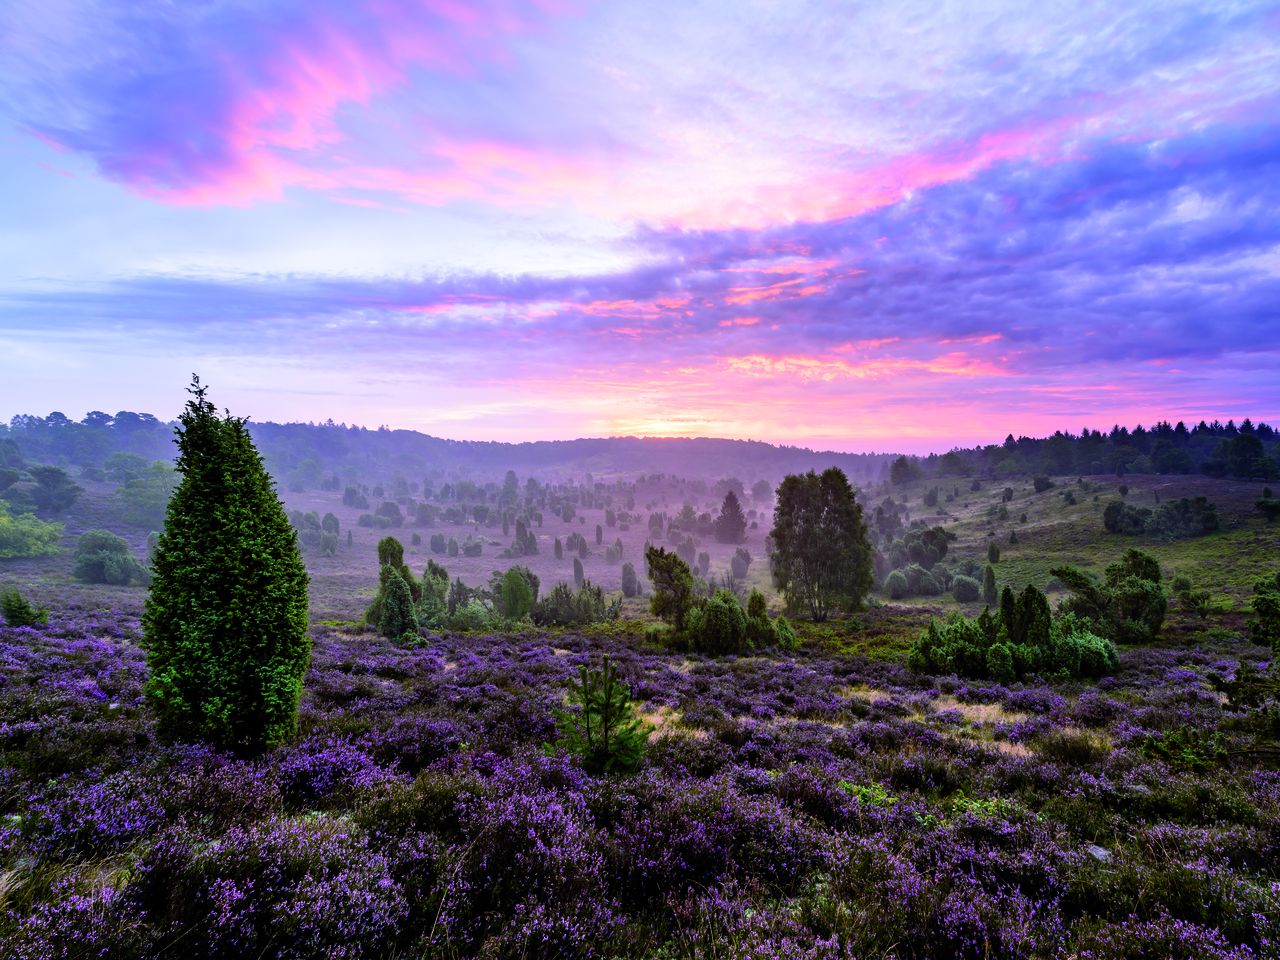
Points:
point(1245, 452)
point(306, 455)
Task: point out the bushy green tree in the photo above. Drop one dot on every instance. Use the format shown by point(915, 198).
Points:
point(53, 490)
point(103, 557)
point(1021, 639)
point(1120, 517)
point(672, 580)
point(144, 497)
point(516, 595)
point(723, 625)
point(225, 625)
point(565, 607)
point(1128, 605)
point(26, 536)
point(989, 596)
point(761, 631)
point(820, 554)
point(965, 589)
point(604, 730)
point(1264, 628)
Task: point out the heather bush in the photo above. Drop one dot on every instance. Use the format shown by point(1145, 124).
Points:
point(226, 619)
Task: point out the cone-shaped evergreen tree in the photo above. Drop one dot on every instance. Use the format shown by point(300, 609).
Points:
point(989, 595)
point(397, 618)
point(225, 624)
point(731, 525)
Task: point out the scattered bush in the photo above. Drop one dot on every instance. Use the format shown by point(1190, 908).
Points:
point(1021, 639)
point(103, 557)
point(25, 536)
point(18, 612)
point(965, 589)
point(564, 607)
point(1120, 517)
point(1041, 484)
point(1128, 606)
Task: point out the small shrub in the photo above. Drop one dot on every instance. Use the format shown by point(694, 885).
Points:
point(103, 557)
point(18, 612)
point(965, 589)
point(605, 730)
point(1041, 484)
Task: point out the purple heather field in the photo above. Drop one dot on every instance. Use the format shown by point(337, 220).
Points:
point(791, 805)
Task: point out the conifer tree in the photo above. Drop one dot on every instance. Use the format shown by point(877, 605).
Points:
point(225, 624)
point(606, 731)
point(731, 525)
point(989, 595)
point(398, 619)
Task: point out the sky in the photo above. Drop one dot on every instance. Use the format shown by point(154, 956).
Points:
point(886, 225)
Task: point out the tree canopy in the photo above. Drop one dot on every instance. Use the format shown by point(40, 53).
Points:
point(819, 549)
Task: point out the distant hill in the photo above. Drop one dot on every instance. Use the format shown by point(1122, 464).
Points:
point(322, 450)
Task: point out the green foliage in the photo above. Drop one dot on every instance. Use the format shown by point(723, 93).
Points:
point(1041, 484)
point(672, 580)
point(1120, 517)
point(1270, 508)
point(1019, 640)
point(144, 497)
point(18, 612)
point(724, 625)
point(103, 557)
point(786, 634)
point(53, 490)
point(563, 607)
point(1128, 606)
point(471, 617)
point(516, 595)
point(397, 618)
point(731, 525)
point(579, 574)
point(225, 625)
point(993, 552)
point(965, 589)
point(25, 536)
point(1184, 518)
point(1264, 628)
point(896, 585)
point(604, 730)
point(761, 631)
point(819, 551)
point(903, 471)
point(1186, 747)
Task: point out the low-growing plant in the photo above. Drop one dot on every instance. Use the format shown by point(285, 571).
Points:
point(19, 612)
point(604, 730)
